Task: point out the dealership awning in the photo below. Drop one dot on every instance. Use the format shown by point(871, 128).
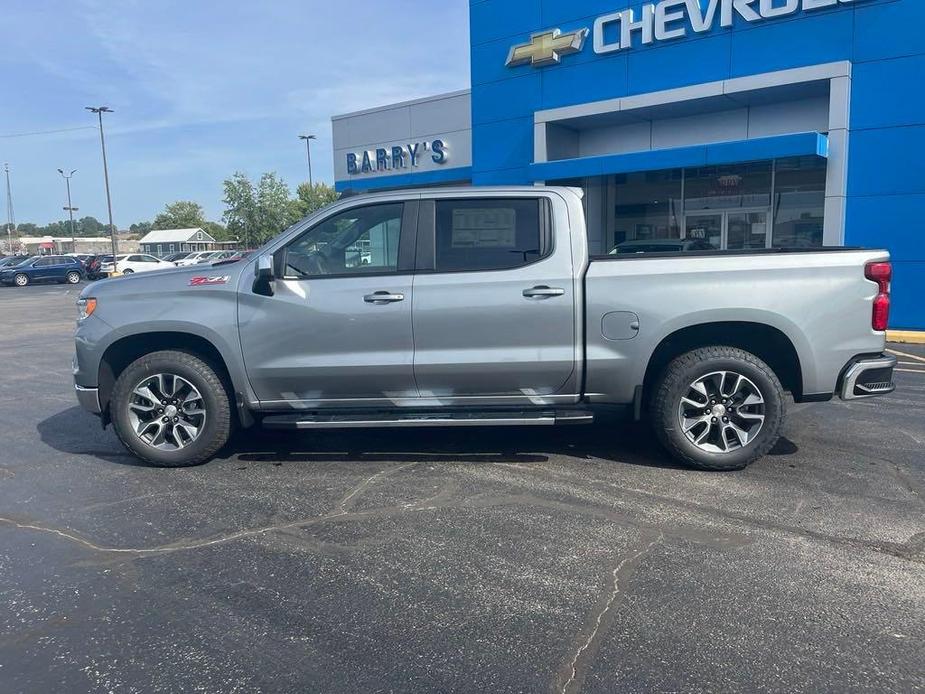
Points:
point(739, 151)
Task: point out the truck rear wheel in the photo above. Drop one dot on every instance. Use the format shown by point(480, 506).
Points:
point(718, 408)
point(171, 409)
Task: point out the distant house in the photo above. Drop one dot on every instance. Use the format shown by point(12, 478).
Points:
point(163, 241)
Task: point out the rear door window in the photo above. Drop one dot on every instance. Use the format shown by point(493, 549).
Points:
point(472, 235)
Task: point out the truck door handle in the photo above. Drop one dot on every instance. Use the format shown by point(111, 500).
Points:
point(543, 292)
point(383, 298)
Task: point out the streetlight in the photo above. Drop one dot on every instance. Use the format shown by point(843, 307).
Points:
point(308, 150)
point(70, 210)
point(99, 111)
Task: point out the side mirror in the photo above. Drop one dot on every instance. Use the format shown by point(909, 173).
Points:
point(263, 276)
point(263, 270)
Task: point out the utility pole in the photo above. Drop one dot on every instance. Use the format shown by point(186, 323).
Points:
point(100, 110)
point(70, 209)
point(308, 150)
point(10, 220)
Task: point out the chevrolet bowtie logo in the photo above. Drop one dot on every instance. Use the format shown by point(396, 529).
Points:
point(547, 48)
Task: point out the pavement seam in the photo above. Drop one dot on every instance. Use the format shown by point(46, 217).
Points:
point(575, 666)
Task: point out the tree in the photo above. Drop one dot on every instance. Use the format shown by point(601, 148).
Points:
point(27, 229)
point(182, 214)
point(240, 208)
point(256, 213)
point(141, 227)
point(217, 231)
point(310, 198)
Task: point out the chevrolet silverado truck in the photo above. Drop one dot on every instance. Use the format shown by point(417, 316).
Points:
point(480, 307)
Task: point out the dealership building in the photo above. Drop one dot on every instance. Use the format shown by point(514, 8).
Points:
point(732, 124)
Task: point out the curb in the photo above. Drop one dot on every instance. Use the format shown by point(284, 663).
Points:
point(910, 337)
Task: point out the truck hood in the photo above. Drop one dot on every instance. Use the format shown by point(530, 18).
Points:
point(172, 280)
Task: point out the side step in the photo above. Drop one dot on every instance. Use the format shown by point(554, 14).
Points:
point(442, 419)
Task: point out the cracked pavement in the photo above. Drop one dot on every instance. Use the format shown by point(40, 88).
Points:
point(576, 559)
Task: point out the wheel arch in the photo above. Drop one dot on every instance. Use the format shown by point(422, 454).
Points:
point(123, 351)
point(768, 343)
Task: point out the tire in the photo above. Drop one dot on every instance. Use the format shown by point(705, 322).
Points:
point(21, 280)
point(72, 278)
point(139, 434)
point(128, 272)
point(722, 439)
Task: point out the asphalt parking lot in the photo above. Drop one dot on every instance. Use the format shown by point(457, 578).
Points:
point(566, 560)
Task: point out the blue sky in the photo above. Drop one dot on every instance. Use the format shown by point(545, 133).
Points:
point(201, 88)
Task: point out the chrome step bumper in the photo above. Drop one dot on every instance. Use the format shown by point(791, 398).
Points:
point(868, 378)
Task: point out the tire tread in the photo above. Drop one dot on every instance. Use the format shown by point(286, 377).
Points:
point(207, 372)
point(675, 372)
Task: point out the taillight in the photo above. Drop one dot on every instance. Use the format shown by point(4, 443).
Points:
point(882, 274)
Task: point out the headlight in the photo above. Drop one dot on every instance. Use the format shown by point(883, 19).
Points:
point(85, 308)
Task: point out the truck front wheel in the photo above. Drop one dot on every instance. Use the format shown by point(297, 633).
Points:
point(171, 409)
point(718, 408)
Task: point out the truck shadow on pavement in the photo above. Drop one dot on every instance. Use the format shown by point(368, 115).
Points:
point(75, 432)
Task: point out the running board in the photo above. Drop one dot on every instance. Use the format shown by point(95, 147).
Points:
point(449, 419)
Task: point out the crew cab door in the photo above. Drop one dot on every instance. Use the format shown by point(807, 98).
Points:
point(337, 328)
point(494, 301)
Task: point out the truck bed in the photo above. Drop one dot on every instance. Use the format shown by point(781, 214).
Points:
point(818, 298)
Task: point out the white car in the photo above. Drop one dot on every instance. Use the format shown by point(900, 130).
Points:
point(195, 258)
point(137, 262)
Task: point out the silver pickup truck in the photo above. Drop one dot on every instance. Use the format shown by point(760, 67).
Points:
point(479, 307)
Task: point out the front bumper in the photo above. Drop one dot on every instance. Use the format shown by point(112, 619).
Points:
point(89, 398)
point(868, 377)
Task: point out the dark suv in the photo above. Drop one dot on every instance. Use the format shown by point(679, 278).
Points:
point(48, 268)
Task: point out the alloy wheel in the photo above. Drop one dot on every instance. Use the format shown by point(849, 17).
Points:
point(721, 412)
point(73, 278)
point(21, 280)
point(167, 412)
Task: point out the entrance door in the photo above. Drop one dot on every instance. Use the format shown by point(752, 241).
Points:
point(729, 229)
point(746, 230)
point(706, 227)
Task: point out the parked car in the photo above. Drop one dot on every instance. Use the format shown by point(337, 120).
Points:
point(219, 256)
point(136, 262)
point(174, 257)
point(45, 268)
point(484, 309)
point(194, 258)
point(11, 260)
point(94, 266)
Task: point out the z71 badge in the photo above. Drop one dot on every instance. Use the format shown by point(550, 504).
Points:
point(209, 281)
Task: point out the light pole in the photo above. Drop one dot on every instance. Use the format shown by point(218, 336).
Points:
point(308, 150)
point(100, 110)
point(9, 209)
point(70, 209)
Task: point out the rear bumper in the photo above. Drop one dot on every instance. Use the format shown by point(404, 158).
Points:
point(89, 398)
point(868, 377)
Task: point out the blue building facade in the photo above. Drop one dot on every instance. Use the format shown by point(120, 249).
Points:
point(737, 123)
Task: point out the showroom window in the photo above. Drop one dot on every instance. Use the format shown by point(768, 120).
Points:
point(799, 202)
point(753, 205)
point(647, 206)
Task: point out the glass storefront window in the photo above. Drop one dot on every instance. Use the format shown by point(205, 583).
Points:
point(646, 206)
point(799, 202)
point(727, 187)
point(731, 207)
